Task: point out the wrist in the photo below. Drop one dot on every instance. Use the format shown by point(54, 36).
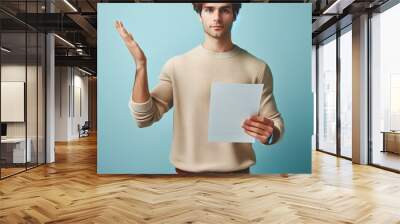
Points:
point(140, 67)
point(140, 64)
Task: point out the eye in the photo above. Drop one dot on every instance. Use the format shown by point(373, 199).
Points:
point(226, 10)
point(208, 10)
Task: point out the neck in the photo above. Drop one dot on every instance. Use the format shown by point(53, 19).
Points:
point(218, 44)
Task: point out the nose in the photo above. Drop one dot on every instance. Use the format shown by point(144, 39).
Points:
point(216, 15)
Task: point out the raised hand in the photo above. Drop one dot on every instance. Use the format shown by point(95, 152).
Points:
point(132, 45)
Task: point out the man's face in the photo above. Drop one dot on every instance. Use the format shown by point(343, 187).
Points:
point(217, 19)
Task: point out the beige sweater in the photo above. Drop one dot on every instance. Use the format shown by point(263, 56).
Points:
point(185, 83)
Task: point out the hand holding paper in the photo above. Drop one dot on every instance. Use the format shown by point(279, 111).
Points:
point(259, 127)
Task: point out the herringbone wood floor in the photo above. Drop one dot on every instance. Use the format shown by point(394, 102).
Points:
point(70, 191)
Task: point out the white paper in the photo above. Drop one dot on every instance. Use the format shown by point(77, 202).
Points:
point(230, 105)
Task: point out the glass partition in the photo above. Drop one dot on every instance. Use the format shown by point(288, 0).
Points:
point(327, 95)
point(22, 77)
point(13, 108)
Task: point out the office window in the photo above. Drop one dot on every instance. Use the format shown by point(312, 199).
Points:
point(385, 87)
point(314, 91)
point(327, 95)
point(394, 101)
point(346, 93)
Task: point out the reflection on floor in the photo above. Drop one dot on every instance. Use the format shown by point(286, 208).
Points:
point(386, 159)
point(10, 169)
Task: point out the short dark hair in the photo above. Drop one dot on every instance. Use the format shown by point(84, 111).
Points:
point(235, 7)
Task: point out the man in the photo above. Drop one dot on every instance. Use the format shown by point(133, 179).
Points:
point(185, 83)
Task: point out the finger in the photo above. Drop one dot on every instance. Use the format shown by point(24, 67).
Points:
point(253, 129)
point(122, 33)
point(130, 36)
point(124, 30)
point(256, 118)
point(126, 35)
point(262, 119)
point(262, 139)
point(120, 26)
point(262, 132)
point(256, 124)
point(266, 132)
point(117, 25)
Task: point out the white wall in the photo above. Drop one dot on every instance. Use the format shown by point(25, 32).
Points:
point(15, 72)
point(79, 117)
point(62, 81)
point(70, 84)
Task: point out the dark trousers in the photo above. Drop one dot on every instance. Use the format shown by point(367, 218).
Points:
point(244, 171)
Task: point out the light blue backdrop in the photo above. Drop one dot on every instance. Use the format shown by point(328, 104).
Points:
point(280, 34)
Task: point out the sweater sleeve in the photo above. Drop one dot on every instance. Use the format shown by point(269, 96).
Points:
point(160, 101)
point(268, 106)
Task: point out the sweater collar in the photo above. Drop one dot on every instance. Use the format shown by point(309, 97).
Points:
point(226, 54)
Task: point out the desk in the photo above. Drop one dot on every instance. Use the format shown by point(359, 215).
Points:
point(391, 141)
point(13, 150)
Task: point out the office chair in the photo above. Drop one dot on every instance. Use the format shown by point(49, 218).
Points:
point(84, 130)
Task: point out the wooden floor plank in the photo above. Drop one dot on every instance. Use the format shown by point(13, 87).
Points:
point(70, 191)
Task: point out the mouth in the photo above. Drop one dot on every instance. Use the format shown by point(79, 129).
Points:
point(217, 27)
